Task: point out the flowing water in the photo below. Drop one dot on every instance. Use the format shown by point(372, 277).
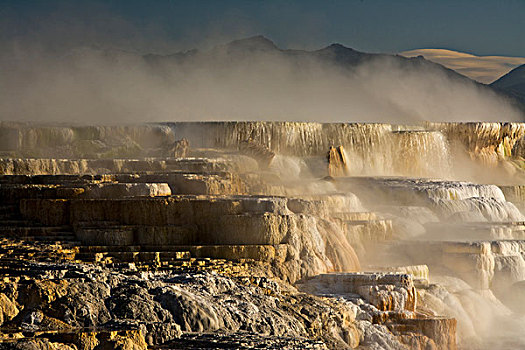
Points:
point(410, 176)
point(425, 195)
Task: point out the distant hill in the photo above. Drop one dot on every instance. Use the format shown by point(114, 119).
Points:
point(485, 69)
point(513, 83)
point(246, 50)
point(254, 52)
point(247, 79)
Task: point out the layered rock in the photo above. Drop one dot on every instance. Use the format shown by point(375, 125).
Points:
point(337, 163)
point(190, 220)
point(393, 298)
point(152, 242)
point(70, 299)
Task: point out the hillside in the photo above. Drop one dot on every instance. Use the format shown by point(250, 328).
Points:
point(484, 69)
point(513, 83)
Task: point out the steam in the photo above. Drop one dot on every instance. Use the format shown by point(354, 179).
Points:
point(475, 261)
point(101, 86)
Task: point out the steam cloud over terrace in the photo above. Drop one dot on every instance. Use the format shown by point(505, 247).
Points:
point(248, 79)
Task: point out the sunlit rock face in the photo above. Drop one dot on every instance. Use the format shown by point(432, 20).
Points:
point(391, 300)
point(404, 237)
point(337, 164)
point(371, 149)
point(485, 141)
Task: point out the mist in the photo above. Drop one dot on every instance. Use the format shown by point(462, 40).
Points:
point(89, 85)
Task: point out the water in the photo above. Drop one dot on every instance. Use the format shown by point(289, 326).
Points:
point(467, 232)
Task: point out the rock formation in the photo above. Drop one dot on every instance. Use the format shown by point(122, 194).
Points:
point(125, 237)
point(337, 163)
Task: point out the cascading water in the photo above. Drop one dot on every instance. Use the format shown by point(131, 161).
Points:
point(484, 141)
point(372, 149)
point(474, 252)
point(407, 210)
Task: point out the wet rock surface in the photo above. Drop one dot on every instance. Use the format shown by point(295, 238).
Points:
point(73, 297)
point(166, 237)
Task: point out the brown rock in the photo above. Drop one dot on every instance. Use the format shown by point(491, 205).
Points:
point(337, 162)
point(8, 308)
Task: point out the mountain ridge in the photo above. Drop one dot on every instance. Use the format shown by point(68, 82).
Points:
point(513, 83)
point(247, 51)
point(335, 52)
point(484, 69)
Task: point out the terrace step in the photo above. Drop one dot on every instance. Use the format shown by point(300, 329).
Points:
point(16, 222)
point(69, 239)
point(476, 230)
point(356, 216)
point(365, 235)
point(231, 252)
point(134, 256)
point(131, 248)
point(31, 231)
point(9, 211)
point(369, 230)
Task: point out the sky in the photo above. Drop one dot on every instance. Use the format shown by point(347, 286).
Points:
point(484, 69)
point(479, 27)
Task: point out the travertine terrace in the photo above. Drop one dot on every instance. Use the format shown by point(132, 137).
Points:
point(272, 235)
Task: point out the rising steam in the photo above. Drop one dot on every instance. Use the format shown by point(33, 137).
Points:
point(101, 86)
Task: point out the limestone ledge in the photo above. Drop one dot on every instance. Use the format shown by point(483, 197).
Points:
point(120, 186)
point(308, 244)
point(484, 265)
point(53, 166)
point(418, 272)
point(387, 292)
point(175, 210)
point(393, 300)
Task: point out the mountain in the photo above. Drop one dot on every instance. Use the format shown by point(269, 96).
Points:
point(254, 74)
point(260, 48)
point(484, 69)
point(248, 79)
point(513, 83)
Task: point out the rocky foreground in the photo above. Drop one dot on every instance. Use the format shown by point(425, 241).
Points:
point(135, 239)
point(191, 271)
